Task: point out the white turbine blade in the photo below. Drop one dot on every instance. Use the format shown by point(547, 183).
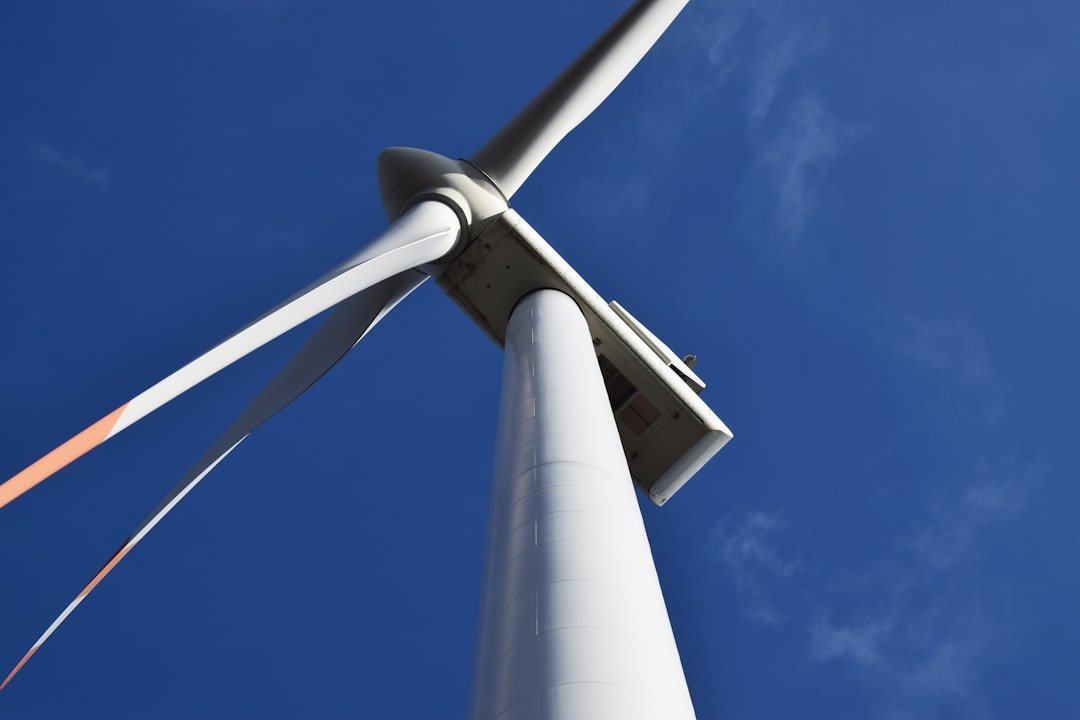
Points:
point(345, 326)
point(512, 154)
point(424, 234)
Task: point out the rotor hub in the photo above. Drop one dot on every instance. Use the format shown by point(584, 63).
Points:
point(408, 176)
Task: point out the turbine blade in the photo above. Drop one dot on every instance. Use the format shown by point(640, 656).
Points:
point(345, 326)
point(512, 154)
point(424, 234)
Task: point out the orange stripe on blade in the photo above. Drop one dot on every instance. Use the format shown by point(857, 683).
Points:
point(71, 606)
point(73, 449)
point(105, 570)
point(18, 667)
point(116, 558)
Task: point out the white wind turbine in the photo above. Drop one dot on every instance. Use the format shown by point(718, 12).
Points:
point(573, 623)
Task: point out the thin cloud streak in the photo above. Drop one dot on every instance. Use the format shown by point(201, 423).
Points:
point(949, 357)
point(718, 30)
point(799, 161)
point(762, 39)
point(783, 45)
point(931, 626)
point(944, 346)
point(859, 643)
point(746, 548)
point(929, 619)
point(73, 166)
point(920, 628)
point(797, 138)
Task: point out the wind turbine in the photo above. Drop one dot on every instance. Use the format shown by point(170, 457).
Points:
point(573, 622)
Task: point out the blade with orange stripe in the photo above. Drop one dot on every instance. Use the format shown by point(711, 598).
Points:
point(74, 448)
point(424, 234)
point(344, 327)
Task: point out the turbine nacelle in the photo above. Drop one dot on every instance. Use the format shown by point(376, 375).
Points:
point(451, 219)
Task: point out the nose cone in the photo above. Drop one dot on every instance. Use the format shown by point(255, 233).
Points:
point(396, 169)
point(407, 175)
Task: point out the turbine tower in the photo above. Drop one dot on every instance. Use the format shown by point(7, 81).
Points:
point(573, 622)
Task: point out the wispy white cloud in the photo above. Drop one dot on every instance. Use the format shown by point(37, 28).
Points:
point(718, 30)
point(745, 544)
point(78, 167)
point(799, 160)
point(999, 496)
point(762, 41)
point(783, 45)
point(949, 357)
point(914, 668)
point(920, 628)
point(947, 670)
point(918, 665)
point(796, 138)
point(927, 621)
point(947, 346)
point(858, 642)
point(955, 525)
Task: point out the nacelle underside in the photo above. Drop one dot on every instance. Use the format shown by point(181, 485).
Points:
point(667, 431)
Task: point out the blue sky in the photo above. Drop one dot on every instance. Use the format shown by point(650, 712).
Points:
point(861, 218)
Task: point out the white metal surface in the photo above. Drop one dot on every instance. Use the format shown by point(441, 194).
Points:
point(573, 623)
point(510, 259)
point(511, 155)
point(426, 233)
point(658, 346)
point(347, 323)
point(429, 231)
